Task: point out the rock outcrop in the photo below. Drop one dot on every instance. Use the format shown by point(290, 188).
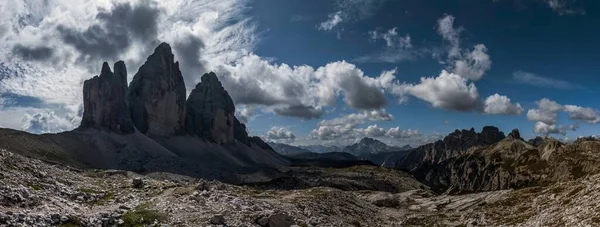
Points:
point(157, 95)
point(104, 100)
point(514, 135)
point(210, 113)
point(454, 144)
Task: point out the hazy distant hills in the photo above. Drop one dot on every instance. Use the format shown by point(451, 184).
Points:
point(366, 149)
point(321, 148)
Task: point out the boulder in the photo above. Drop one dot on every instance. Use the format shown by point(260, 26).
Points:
point(157, 95)
point(104, 100)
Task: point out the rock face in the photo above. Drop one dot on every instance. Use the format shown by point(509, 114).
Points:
point(515, 135)
point(454, 144)
point(157, 95)
point(210, 112)
point(104, 100)
point(447, 166)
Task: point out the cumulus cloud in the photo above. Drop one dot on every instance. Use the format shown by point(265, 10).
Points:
point(300, 91)
point(472, 65)
point(282, 134)
point(398, 133)
point(359, 118)
point(373, 131)
point(543, 128)
point(245, 113)
point(48, 122)
point(546, 116)
point(114, 31)
point(540, 81)
point(300, 111)
point(500, 104)
point(546, 112)
point(447, 91)
point(35, 53)
point(588, 115)
point(344, 127)
point(468, 64)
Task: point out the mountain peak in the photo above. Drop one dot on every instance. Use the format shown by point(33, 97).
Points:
point(157, 95)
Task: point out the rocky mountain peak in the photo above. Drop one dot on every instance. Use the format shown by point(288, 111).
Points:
point(368, 141)
point(105, 69)
point(157, 95)
point(104, 102)
point(514, 135)
point(210, 113)
point(490, 135)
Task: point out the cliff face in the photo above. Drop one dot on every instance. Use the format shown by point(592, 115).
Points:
point(464, 162)
point(157, 95)
point(210, 111)
point(454, 144)
point(104, 102)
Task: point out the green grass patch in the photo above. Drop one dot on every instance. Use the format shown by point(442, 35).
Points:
point(143, 215)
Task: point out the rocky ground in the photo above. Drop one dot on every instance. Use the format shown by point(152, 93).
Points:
point(36, 193)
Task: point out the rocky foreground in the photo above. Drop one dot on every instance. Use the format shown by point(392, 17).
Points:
point(37, 193)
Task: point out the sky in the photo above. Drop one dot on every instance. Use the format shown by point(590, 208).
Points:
point(322, 72)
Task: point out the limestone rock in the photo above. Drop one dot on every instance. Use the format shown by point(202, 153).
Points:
point(157, 95)
point(104, 102)
point(210, 111)
point(239, 132)
point(514, 134)
point(490, 135)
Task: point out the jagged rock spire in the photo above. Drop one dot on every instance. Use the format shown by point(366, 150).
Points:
point(104, 100)
point(157, 95)
point(515, 135)
point(210, 112)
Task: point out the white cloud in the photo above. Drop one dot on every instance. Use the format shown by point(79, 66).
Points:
point(49, 122)
point(359, 118)
point(540, 81)
point(588, 115)
point(332, 22)
point(472, 65)
point(451, 34)
point(300, 91)
point(546, 112)
point(41, 35)
point(468, 64)
point(373, 131)
point(398, 133)
point(392, 39)
point(245, 113)
point(500, 104)
point(447, 91)
point(280, 134)
point(543, 128)
point(546, 116)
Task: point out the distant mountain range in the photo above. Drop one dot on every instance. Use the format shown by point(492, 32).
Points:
point(321, 148)
point(366, 149)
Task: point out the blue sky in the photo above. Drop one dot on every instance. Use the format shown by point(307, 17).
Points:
point(284, 61)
